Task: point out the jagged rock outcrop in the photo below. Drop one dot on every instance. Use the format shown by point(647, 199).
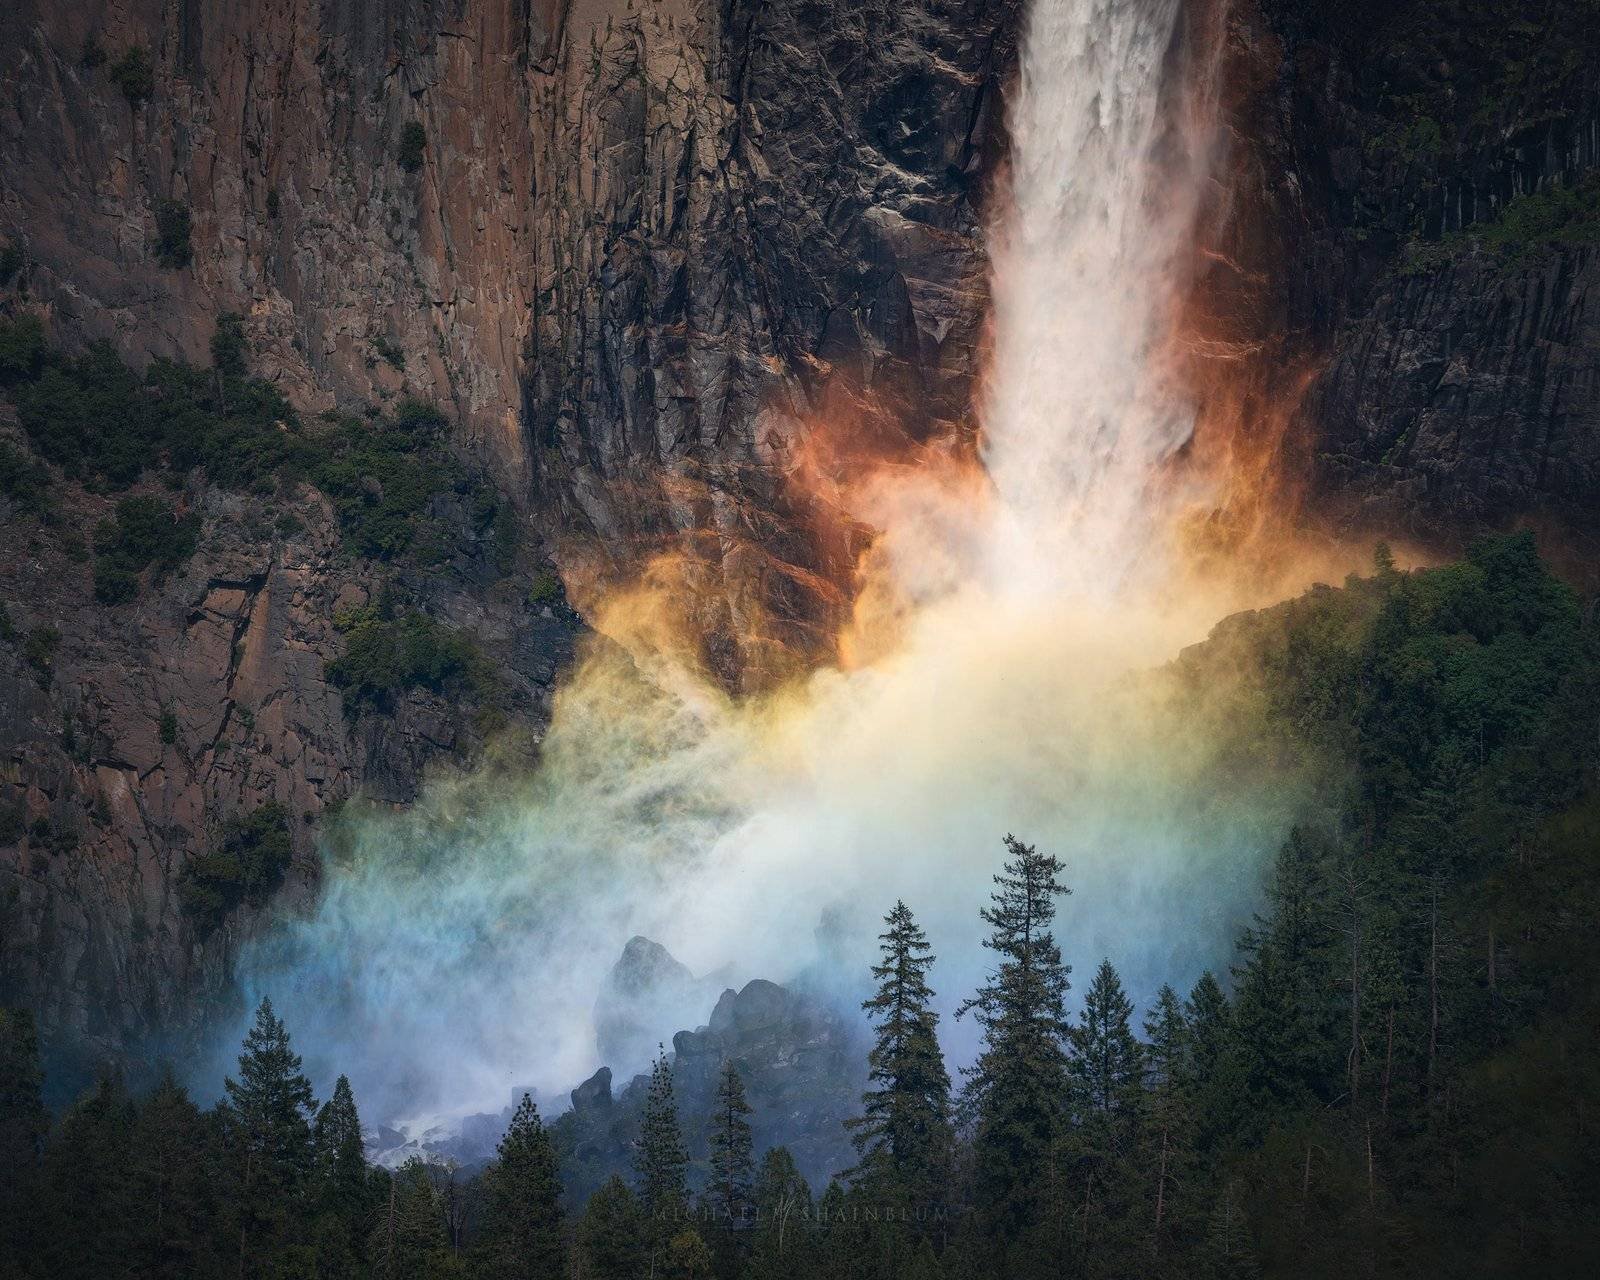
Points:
point(645, 996)
point(803, 1065)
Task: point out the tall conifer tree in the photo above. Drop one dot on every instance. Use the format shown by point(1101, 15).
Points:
point(172, 1160)
point(783, 1242)
point(903, 1136)
point(1016, 1088)
point(267, 1122)
point(1107, 1062)
point(23, 1125)
point(340, 1164)
point(729, 1188)
point(611, 1242)
point(1107, 1072)
point(409, 1240)
point(520, 1238)
point(1167, 1145)
point(661, 1164)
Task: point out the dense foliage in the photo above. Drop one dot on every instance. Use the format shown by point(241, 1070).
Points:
point(144, 535)
point(413, 143)
point(247, 866)
point(1452, 112)
point(389, 650)
point(1397, 1078)
point(106, 426)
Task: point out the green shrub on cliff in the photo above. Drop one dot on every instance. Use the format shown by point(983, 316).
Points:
point(247, 866)
point(389, 651)
point(382, 475)
point(1555, 217)
point(39, 649)
point(145, 534)
point(105, 426)
point(22, 349)
point(174, 227)
point(395, 488)
point(24, 481)
point(133, 74)
point(413, 141)
point(12, 260)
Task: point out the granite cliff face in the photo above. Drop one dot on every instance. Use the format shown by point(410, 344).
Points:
point(133, 736)
point(627, 248)
point(752, 216)
point(1444, 226)
point(597, 215)
point(641, 241)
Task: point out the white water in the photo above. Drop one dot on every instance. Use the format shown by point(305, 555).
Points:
point(458, 956)
point(1109, 160)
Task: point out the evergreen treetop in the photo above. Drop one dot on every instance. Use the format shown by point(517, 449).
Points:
point(729, 1188)
point(520, 1237)
point(904, 1134)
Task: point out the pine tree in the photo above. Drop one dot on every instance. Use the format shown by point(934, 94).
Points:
point(1208, 1061)
point(611, 1242)
point(1107, 1073)
point(266, 1121)
point(341, 1166)
point(782, 1245)
point(171, 1165)
point(340, 1190)
point(660, 1162)
point(903, 1136)
point(1228, 1252)
point(1107, 1063)
point(729, 1189)
point(409, 1238)
point(1285, 1027)
point(520, 1238)
point(89, 1204)
point(23, 1125)
point(1016, 1088)
point(1167, 1145)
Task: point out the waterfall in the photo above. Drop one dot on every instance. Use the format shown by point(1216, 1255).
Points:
point(1110, 153)
point(457, 950)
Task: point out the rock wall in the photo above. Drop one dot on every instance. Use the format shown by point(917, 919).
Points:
point(750, 216)
point(131, 741)
point(278, 125)
point(1441, 205)
point(643, 244)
